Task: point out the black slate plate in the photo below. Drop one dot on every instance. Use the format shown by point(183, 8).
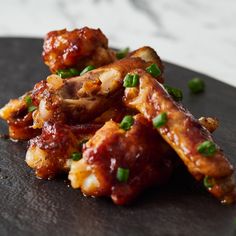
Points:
point(29, 206)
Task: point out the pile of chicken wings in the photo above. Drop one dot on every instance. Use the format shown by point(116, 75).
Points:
point(111, 124)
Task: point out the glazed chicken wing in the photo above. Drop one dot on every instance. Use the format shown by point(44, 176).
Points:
point(78, 48)
point(49, 153)
point(139, 151)
point(184, 134)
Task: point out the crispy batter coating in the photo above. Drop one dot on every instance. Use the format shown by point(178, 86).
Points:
point(76, 49)
point(140, 150)
point(183, 132)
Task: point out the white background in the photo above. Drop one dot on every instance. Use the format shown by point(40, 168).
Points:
point(198, 34)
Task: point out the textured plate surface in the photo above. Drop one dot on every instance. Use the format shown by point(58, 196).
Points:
point(29, 206)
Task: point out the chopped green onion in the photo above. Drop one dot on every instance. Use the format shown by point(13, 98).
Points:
point(208, 182)
point(154, 70)
point(68, 73)
point(28, 100)
point(207, 148)
point(32, 108)
point(175, 93)
point(160, 120)
point(87, 69)
point(127, 122)
point(122, 53)
point(76, 156)
point(122, 174)
point(196, 85)
point(131, 80)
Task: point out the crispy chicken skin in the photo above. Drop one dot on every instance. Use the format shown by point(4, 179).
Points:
point(49, 153)
point(140, 149)
point(78, 48)
point(183, 133)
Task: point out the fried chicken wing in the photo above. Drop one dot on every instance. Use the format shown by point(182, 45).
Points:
point(140, 150)
point(184, 134)
point(78, 48)
point(49, 153)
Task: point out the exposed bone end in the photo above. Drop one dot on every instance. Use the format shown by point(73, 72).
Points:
point(210, 123)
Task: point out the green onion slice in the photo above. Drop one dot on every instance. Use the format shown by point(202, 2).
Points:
point(32, 108)
point(131, 80)
point(208, 182)
point(127, 122)
point(154, 70)
point(68, 73)
point(28, 100)
point(196, 85)
point(76, 156)
point(122, 53)
point(160, 120)
point(122, 174)
point(29, 103)
point(207, 148)
point(87, 69)
point(175, 93)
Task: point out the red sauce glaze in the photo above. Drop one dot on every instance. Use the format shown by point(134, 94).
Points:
point(20, 125)
point(141, 150)
point(77, 48)
point(59, 141)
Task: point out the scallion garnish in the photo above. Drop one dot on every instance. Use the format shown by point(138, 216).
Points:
point(160, 120)
point(131, 80)
point(28, 100)
point(127, 122)
point(196, 85)
point(122, 53)
point(32, 108)
point(122, 174)
point(68, 73)
point(29, 103)
point(208, 182)
point(175, 93)
point(154, 70)
point(76, 156)
point(87, 69)
point(207, 148)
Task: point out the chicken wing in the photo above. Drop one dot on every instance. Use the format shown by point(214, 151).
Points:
point(140, 151)
point(78, 48)
point(49, 154)
point(184, 133)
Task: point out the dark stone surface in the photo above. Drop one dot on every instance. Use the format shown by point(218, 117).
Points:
point(29, 206)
